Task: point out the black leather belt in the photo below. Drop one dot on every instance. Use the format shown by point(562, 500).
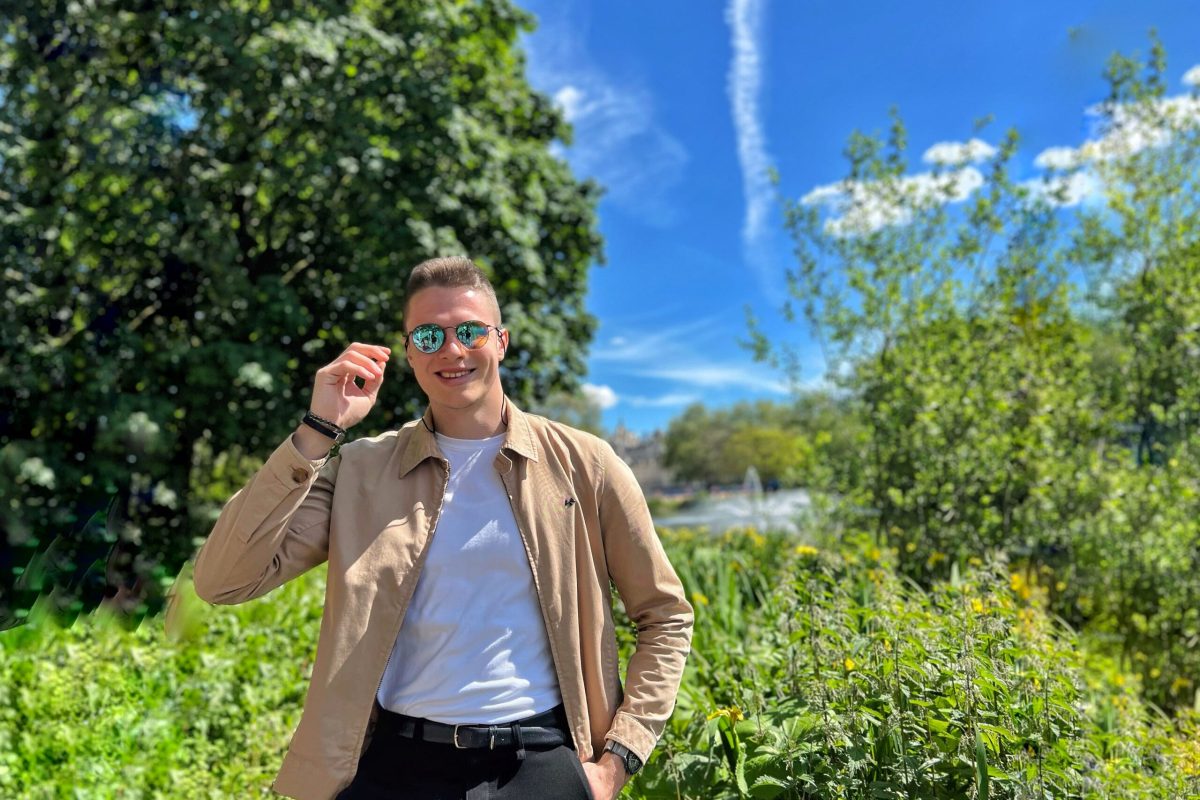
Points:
point(541, 730)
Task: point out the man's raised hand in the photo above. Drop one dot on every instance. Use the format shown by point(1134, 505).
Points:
point(336, 396)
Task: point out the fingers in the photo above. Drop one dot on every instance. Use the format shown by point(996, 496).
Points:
point(347, 369)
point(358, 361)
point(373, 369)
point(375, 351)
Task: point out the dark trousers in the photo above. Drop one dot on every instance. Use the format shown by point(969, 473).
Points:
point(398, 768)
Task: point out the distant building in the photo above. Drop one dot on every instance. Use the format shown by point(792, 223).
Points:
point(644, 455)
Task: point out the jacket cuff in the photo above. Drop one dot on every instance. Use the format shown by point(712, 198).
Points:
point(627, 730)
point(290, 467)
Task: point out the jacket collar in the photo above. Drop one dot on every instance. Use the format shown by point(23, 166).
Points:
point(422, 444)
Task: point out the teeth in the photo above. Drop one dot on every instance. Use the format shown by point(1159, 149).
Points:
point(455, 374)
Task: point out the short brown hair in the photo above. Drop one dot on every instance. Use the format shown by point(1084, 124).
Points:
point(450, 272)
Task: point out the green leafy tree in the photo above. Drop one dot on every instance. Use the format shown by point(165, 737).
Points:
point(1141, 250)
point(812, 440)
point(199, 206)
point(952, 327)
point(691, 445)
point(1134, 576)
point(778, 455)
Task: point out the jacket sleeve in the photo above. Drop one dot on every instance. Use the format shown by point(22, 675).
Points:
point(654, 599)
point(273, 529)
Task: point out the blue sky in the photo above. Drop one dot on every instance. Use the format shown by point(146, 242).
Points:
point(679, 107)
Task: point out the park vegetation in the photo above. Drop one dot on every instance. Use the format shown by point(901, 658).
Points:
point(998, 595)
point(1025, 372)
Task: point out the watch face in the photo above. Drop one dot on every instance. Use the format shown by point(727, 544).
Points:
point(632, 763)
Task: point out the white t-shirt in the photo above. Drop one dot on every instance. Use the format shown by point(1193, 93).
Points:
point(473, 645)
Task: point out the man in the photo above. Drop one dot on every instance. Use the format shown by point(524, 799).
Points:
point(467, 645)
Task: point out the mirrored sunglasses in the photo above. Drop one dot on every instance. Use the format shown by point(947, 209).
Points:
point(429, 338)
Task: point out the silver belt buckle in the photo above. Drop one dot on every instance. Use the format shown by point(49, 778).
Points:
point(456, 744)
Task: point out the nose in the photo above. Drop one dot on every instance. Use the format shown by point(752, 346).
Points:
point(452, 347)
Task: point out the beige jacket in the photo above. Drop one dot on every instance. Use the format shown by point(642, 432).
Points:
point(372, 510)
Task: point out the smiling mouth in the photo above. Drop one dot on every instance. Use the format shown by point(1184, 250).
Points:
point(452, 374)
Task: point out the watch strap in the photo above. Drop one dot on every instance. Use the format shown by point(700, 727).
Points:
point(629, 759)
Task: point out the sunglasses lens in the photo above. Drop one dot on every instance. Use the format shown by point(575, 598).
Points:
point(472, 334)
point(428, 338)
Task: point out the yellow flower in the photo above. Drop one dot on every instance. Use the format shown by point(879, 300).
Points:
point(806, 550)
point(1155, 672)
point(1180, 684)
point(732, 713)
point(849, 665)
point(1061, 586)
point(977, 606)
point(975, 561)
point(699, 598)
point(911, 547)
point(874, 554)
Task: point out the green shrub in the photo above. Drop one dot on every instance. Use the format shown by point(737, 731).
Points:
point(97, 711)
point(847, 680)
point(1132, 579)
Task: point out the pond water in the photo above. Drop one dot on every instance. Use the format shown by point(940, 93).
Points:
point(779, 510)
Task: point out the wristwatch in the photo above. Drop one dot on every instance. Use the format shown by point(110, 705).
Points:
point(628, 757)
point(324, 427)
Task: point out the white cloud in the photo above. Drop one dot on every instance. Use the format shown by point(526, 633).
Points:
point(1065, 190)
point(829, 193)
point(681, 361)
point(569, 99)
point(617, 139)
point(745, 80)
point(860, 207)
point(673, 400)
point(1127, 131)
point(601, 396)
point(1130, 130)
point(657, 343)
point(958, 153)
point(1058, 158)
point(855, 208)
point(718, 376)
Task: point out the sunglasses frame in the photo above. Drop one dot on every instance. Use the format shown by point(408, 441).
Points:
point(457, 334)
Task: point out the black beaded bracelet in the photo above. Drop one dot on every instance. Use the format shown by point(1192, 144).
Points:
point(323, 426)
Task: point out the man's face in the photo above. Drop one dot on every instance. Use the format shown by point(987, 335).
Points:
point(456, 378)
